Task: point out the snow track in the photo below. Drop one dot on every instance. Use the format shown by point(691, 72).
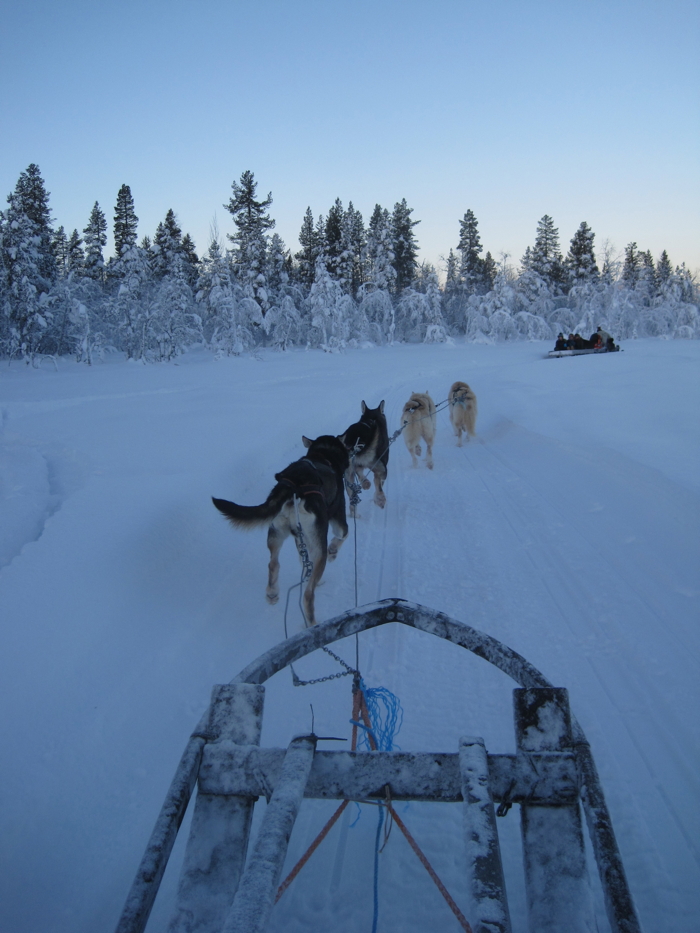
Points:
point(567, 529)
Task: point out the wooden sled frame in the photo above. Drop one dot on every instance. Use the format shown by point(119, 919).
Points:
point(552, 770)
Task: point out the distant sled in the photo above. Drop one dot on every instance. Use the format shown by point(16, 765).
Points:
point(554, 353)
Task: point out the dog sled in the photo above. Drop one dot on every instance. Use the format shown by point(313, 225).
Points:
point(551, 776)
point(555, 353)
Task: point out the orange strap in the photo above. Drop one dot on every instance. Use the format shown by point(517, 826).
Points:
point(429, 868)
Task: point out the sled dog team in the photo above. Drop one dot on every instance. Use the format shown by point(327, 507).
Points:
point(310, 493)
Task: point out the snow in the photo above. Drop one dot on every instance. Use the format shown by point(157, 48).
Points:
point(568, 529)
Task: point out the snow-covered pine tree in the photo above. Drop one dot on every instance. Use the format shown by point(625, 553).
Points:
point(33, 200)
point(167, 244)
point(580, 262)
point(59, 244)
point(545, 258)
point(26, 311)
point(311, 246)
point(353, 256)
point(327, 311)
point(76, 256)
point(632, 265)
point(469, 247)
point(125, 221)
point(173, 325)
point(333, 241)
point(252, 222)
point(489, 271)
point(664, 270)
point(404, 245)
point(95, 240)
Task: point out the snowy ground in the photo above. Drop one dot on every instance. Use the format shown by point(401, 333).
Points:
point(568, 529)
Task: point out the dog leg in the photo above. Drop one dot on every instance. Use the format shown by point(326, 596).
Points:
point(429, 455)
point(317, 553)
point(340, 532)
point(363, 478)
point(379, 480)
point(275, 539)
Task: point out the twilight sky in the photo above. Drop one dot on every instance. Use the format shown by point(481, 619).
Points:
point(581, 109)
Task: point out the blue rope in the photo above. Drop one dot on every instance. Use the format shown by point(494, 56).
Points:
point(386, 716)
point(376, 869)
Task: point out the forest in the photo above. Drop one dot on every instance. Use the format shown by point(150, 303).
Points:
point(350, 284)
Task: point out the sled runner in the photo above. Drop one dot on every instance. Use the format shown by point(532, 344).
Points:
point(551, 776)
point(555, 353)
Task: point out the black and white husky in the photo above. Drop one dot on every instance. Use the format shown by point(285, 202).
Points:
point(312, 489)
point(367, 442)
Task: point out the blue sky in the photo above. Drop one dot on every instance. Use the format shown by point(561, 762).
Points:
point(581, 110)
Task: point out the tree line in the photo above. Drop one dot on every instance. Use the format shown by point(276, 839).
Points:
point(349, 284)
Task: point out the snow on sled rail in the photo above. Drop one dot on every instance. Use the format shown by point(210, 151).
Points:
point(552, 770)
point(553, 354)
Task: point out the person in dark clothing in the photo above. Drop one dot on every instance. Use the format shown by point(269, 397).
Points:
point(561, 342)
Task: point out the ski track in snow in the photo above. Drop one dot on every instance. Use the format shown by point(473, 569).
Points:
point(572, 550)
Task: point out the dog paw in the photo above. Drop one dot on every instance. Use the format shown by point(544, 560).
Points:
point(366, 483)
point(418, 450)
point(272, 597)
point(380, 501)
point(429, 465)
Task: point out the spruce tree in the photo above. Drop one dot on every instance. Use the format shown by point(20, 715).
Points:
point(488, 273)
point(333, 240)
point(76, 257)
point(59, 244)
point(470, 269)
point(380, 253)
point(191, 259)
point(664, 269)
point(95, 241)
point(252, 222)
point(545, 258)
point(631, 266)
point(249, 215)
point(32, 199)
point(125, 221)
point(310, 250)
point(580, 262)
point(167, 244)
point(26, 313)
point(354, 241)
point(404, 245)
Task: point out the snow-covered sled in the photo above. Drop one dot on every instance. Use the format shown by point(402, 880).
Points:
point(554, 353)
point(551, 776)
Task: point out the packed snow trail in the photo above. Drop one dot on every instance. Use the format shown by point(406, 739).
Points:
point(567, 529)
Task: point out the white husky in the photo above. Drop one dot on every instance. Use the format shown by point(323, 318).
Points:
point(420, 420)
point(462, 410)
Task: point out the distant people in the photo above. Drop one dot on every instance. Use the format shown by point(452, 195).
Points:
point(605, 339)
point(570, 342)
point(580, 343)
point(595, 341)
point(561, 342)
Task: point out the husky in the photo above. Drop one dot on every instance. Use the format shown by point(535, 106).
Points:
point(316, 483)
point(420, 420)
point(462, 410)
point(367, 442)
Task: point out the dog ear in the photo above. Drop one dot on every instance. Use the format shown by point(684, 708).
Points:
point(364, 406)
point(306, 442)
point(341, 438)
point(381, 406)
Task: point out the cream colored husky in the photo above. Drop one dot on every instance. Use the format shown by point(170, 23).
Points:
point(462, 411)
point(420, 420)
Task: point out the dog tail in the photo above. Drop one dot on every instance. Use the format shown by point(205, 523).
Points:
point(251, 516)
